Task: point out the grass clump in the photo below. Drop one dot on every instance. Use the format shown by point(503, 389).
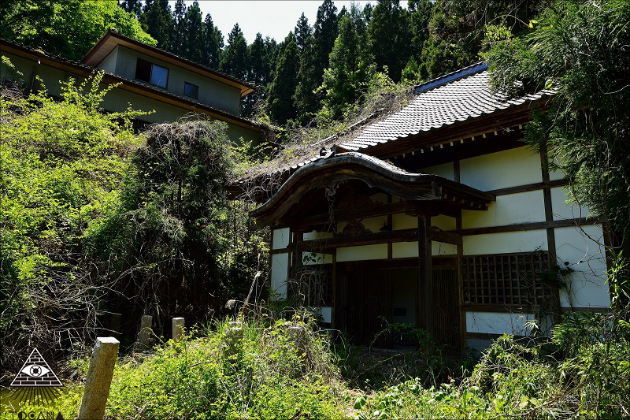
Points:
point(253, 369)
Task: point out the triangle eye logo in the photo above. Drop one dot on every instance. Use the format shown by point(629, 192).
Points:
point(36, 372)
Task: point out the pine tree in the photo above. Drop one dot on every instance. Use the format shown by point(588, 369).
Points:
point(234, 60)
point(193, 34)
point(178, 28)
point(315, 60)
point(281, 91)
point(302, 32)
point(157, 20)
point(132, 6)
point(389, 37)
point(212, 44)
point(350, 68)
point(421, 12)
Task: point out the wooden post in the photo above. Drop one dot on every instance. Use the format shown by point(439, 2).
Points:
point(144, 337)
point(99, 378)
point(425, 273)
point(178, 328)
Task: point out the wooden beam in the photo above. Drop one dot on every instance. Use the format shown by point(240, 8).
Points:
point(438, 235)
point(320, 245)
point(531, 187)
point(351, 214)
point(583, 221)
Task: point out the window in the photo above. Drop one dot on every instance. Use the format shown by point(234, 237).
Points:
point(191, 90)
point(151, 73)
point(507, 279)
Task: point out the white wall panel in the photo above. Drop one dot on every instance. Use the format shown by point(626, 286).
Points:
point(503, 243)
point(280, 238)
point(497, 323)
point(509, 168)
point(582, 249)
point(444, 222)
point(508, 210)
point(325, 312)
point(405, 249)
point(563, 210)
point(279, 273)
point(360, 253)
point(404, 221)
point(309, 236)
point(446, 170)
point(314, 258)
point(440, 248)
point(375, 224)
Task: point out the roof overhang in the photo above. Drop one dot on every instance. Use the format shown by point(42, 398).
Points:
point(112, 39)
point(410, 187)
point(125, 84)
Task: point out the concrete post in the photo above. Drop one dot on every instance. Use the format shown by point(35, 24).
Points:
point(99, 378)
point(178, 329)
point(144, 338)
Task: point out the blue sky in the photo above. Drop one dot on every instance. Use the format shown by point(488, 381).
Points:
point(270, 18)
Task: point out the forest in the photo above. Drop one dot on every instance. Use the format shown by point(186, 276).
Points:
point(96, 216)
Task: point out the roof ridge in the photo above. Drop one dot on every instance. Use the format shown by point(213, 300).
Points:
point(452, 76)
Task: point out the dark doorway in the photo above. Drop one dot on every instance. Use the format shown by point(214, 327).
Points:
point(446, 305)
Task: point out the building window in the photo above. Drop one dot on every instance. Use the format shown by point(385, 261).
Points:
point(518, 279)
point(151, 73)
point(191, 90)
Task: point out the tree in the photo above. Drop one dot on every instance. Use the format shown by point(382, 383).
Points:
point(212, 44)
point(234, 60)
point(315, 60)
point(350, 68)
point(282, 89)
point(193, 34)
point(45, 24)
point(579, 48)
point(302, 32)
point(178, 28)
point(389, 37)
point(158, 21)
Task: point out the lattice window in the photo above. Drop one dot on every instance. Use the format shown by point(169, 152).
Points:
point(507, 279)
point(312, 285)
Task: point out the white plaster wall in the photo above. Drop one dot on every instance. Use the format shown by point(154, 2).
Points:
point(280, 238)
point(314, 258)
point(375, 224)
point(379, 198)
point(361, 253)
point(503, 243)
point(509, 168)
point(582, 249)
point(446, 170)
point(309, 236)
point(109, 63)
point(410, 249)
point(497, 323)
point(404, 221)
point(508, 210)
point(325, 312)
point(444, 222)
point(279, 273)
point(405, 249)
point(563, 210)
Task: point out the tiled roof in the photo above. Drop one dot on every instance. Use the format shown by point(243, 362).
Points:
point(456, 97)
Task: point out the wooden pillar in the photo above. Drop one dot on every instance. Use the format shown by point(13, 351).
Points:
point(460, 285)
point(425, 274)
point(333, 316)
point(551, 234)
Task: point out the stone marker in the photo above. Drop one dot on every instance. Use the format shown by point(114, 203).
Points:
point(99, 378)
point(178, 329)
point(144, 338)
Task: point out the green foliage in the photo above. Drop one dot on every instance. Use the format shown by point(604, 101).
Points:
point(350, 68)
point(61, 162)
point(281, 91)
point(67, 28)
point(580, 49)
point(279, 369)
point(173, 229)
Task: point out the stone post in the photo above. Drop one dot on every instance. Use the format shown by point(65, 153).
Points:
point(99, 378)
point(178, 329)
point(144, 338)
